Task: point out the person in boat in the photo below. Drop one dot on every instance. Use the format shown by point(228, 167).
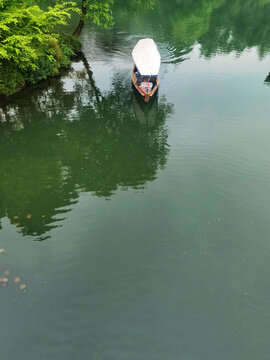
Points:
point(145, 82)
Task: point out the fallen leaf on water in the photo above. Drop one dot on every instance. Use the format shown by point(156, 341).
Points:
point(5, 280)
point(23, 286)
point(17, 279)
point(2, 250)
point(22, 227)
point(17, 224)
point(43, 216)
point(7, 272)
point(29, 216)
point(16, 217)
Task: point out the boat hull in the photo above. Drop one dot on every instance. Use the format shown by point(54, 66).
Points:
point(146, 96)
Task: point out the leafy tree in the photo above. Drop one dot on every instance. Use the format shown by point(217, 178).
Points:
point(28, 33)
point(30, 42)
point(99, 11)
point(101, 14)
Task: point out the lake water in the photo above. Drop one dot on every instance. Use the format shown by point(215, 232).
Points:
point(142, 231)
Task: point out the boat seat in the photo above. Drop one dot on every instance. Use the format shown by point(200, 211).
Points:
point(147, 86)
point(145, 82)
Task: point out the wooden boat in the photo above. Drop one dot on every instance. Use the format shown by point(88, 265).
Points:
point(146, 68)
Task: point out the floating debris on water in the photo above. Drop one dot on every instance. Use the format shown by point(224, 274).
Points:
point(4, 279)
point(29, 216)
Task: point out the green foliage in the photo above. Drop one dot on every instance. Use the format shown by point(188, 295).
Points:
point(100, 12)
point(11, 79)
point(43, 69)
point(135, 6)
point(72, 42)
point(30, 43)
point(66, 53)
point(26, 32)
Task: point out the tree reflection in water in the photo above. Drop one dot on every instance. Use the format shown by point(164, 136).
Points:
point(217, 26)
point(73, 139)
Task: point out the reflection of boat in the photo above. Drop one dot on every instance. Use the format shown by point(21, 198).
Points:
point(146, 114)
point(145, 71)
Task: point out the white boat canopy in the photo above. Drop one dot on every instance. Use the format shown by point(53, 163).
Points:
point(146, 57)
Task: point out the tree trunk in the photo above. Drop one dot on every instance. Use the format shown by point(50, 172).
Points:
point(80, 26)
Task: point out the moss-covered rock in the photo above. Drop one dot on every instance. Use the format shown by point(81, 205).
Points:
point(73, 42)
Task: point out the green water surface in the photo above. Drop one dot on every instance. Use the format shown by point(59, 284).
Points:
point(142, 232)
